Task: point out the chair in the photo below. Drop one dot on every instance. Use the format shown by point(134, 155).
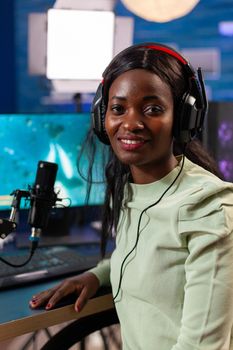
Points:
point(78, 330)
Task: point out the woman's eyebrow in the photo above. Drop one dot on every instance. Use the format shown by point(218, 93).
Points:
point(151, 97)
point(118, 97)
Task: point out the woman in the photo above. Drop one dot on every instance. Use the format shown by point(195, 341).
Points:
point(171, 272)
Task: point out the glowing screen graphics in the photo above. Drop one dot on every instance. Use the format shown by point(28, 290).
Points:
point(26, 139)
point(225, 146)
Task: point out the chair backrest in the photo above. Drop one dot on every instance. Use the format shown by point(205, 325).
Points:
point(78, 330)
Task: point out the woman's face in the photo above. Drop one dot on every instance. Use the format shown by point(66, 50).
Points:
point(139, 121)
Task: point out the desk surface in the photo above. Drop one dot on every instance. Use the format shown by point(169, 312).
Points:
point(16, 317)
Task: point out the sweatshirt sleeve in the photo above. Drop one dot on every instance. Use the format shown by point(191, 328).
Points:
point(208, 293)
point(102, 272)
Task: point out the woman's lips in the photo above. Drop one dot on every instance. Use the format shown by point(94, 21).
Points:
point(131, 144)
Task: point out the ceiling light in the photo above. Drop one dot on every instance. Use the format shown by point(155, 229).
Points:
point(160, 10)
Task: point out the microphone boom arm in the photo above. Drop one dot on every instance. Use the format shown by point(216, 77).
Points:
point(7, 226)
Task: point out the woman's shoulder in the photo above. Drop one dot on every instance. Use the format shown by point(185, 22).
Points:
point(210, 201)
point(197, 175)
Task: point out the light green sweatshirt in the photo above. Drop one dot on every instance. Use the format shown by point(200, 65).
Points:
point(177, 285)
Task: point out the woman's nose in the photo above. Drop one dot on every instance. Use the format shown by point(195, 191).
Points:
point(133, 122)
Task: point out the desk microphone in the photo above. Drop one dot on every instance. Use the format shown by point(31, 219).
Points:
point(42, 198)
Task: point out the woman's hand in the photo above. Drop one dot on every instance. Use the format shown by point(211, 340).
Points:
point(84, 285)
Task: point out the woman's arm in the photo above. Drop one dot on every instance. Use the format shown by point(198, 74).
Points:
point(208, 300)
point(84, 285)
point(102, 272)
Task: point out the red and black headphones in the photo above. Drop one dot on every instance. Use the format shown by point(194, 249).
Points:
point(191, 111)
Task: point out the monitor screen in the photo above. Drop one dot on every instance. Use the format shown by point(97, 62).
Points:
point(27, 138)
point(220, 136)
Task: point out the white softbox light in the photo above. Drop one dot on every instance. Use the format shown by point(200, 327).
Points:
point(80, 44)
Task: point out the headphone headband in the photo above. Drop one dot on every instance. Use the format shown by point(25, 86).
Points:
point(168, 50)
point(191, 112)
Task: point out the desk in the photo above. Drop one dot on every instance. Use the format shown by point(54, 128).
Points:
point(16, 318)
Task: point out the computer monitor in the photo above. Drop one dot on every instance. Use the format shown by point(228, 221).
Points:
point(27, 138)
point(220, 136)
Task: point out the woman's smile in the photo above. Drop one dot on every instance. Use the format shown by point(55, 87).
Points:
point(131, 144)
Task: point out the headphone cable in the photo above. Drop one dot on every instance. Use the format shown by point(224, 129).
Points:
point(138, 228)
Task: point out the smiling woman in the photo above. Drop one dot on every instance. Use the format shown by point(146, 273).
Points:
point(139, 122)
point(172, 216)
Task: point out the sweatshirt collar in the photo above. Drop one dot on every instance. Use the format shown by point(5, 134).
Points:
point(159, 186)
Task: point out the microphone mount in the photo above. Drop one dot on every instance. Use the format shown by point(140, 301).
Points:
point(7, 226)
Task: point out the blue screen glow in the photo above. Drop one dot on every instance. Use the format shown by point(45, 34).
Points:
point(27, 138)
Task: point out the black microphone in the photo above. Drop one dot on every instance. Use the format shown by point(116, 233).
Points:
point(42, 197)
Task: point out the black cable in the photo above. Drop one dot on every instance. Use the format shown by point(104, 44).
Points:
point(34, 245)
point(139, 223)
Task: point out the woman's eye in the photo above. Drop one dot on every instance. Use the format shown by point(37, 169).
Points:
point(117, 109)
point(153, 110)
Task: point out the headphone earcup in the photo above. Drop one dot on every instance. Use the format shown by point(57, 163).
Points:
point(186, 124)
point(98, 110)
